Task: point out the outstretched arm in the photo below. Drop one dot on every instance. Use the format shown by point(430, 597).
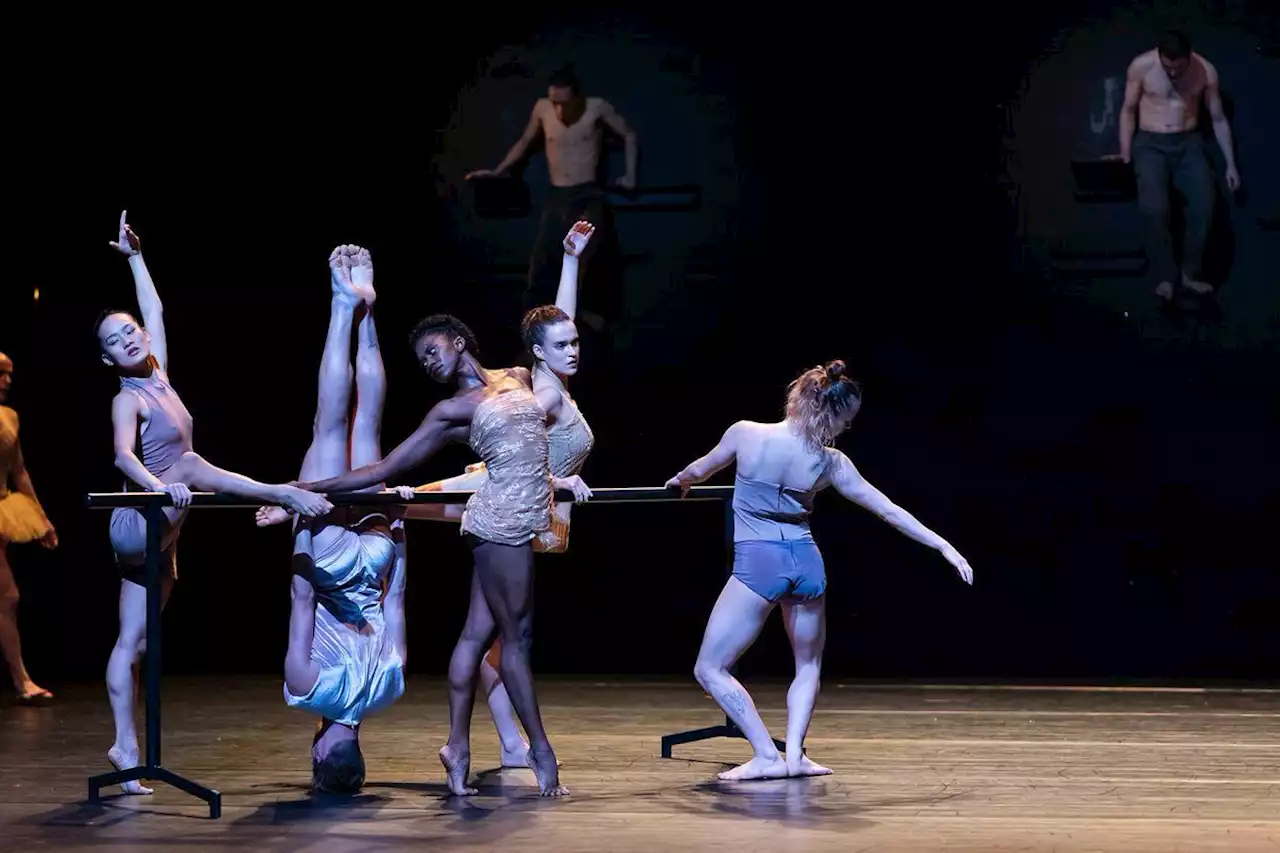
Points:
point(619, 125)
point(442, 425)
point(517, 151)
point(148, 297)
point(704, 467)
point(850, 484)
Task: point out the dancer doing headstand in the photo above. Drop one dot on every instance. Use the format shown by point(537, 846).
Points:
point(346, 657)
point(22, 519)
point(496, 413)
point(780, 468)
point(552, 339)
point(148, 416)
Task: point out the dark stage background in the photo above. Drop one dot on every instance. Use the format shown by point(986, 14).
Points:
point(872, 191)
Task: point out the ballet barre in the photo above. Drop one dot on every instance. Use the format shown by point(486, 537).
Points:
point(151, 504)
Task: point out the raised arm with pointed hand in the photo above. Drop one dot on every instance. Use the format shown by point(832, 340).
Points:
point(149, 304)
point(575, 243)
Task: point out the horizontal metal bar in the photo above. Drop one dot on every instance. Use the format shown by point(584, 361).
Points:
point(633, 494)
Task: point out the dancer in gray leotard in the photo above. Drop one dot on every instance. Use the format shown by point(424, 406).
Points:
point(780, 467)
point(148, 415)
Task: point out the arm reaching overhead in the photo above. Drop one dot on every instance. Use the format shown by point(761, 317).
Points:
point(517, 151)
point(447, 421)
point(851, 485)
point(148, 297)
point(719, 458)
point(575, 243)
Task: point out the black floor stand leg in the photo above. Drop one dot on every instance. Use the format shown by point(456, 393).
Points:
point(151, 771)
point(729, 728)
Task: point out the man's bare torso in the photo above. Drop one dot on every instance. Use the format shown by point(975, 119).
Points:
point(1170, 106)
point(573, 151)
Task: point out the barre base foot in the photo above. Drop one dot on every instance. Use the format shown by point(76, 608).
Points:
point(728, 729)
point(156, 774)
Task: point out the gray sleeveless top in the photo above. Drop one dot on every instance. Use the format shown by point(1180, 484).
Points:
point(769, 511)
point(168, 431)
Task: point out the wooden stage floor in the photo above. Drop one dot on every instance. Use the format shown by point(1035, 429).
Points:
point(917, 768)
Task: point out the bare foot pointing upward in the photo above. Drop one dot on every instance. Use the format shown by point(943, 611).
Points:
point(340, 277)
point(362, 274)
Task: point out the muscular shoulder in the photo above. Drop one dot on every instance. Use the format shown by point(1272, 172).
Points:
point(126, 399)
point(1210, 72)
point(838, 467)
point(550, 399)
point(1142, 63)
point(521, 375)
point(9, 416)
point(741, 430)
point(452, 411)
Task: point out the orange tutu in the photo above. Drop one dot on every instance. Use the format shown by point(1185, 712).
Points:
point(22, 519)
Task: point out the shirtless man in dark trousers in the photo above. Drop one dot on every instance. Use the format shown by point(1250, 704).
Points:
point(1162, 94)
point(572, 126)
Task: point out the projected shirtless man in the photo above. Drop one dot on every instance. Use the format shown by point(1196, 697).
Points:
point(572, 127)
point(1162, 94)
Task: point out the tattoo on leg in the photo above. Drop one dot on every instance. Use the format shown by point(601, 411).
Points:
point(735, 701)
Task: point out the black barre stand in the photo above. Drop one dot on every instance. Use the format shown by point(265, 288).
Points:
point(728, 728)
point(152, 503)
point(151, 770)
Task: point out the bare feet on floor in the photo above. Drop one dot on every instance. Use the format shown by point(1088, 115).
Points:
point(124, 758)
point(547, 769)
point(33, 694)
point(757, 768)
point(457, 767)
point(804, 767)
point(516, 758)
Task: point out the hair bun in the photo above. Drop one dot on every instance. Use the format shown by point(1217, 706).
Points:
point(835, 369)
